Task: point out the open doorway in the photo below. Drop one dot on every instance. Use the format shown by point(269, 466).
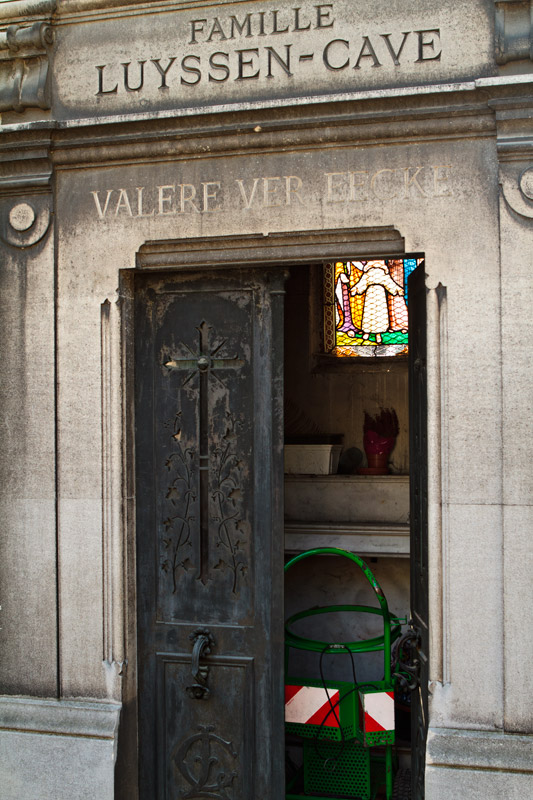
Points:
point(342, 504)
point(208, 375)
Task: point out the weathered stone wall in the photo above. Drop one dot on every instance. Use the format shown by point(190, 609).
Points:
point(419, 147)
point(28, 576)
point(441, 195)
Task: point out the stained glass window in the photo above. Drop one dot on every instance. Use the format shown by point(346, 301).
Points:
point(366, 307)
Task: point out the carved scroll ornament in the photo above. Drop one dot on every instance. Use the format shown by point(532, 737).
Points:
point(24, 66)
point(23, 224)
point(516, 184)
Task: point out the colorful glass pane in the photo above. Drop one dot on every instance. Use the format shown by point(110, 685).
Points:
point(365, 307)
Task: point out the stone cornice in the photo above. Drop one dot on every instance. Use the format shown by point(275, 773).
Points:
point(330, 127)
point(438, 117)
point(256, 248)
point(514, 30)
point(30, 9)
point(24, 163)
point(27, 9)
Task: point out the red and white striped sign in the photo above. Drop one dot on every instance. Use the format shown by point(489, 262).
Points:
point(309, 705)
point(378, 711)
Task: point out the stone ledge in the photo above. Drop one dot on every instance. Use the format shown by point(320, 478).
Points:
point(364, 539)
point(485, 750)
point(93, 719)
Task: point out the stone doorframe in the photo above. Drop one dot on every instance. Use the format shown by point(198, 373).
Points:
point(221, 252)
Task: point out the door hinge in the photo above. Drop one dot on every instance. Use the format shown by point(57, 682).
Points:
point(407, 659)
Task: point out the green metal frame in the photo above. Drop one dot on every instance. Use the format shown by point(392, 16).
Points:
point(391, 632)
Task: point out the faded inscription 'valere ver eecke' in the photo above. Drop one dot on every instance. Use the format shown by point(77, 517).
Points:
point(402, 184)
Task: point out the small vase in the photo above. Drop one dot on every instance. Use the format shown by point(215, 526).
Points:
point(378, 461)
point(378, 449)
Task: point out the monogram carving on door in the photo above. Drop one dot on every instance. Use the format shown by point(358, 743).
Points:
point(205, 761)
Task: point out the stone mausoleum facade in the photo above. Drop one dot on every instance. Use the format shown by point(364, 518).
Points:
point(169, 170)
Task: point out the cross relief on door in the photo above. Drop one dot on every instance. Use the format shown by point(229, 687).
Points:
point(205, 493)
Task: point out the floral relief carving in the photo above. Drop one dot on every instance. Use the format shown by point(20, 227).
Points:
point(181, 496)
point(227, 498)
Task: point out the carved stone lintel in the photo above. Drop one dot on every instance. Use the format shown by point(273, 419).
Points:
point(24, 73)
point(514, 30)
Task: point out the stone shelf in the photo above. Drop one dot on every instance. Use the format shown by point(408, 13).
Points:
point(372, 539)
point(365, 514)
point(347, 498)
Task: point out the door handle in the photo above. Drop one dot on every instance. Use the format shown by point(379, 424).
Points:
point(203, 642)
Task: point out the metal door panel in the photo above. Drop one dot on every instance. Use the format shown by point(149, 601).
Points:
point(209, 534)
point(418, 514)
point(207, 746)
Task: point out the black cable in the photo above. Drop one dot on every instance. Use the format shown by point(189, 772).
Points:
point(328, 760)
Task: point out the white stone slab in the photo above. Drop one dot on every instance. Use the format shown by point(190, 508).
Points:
point(28, 615)
point(81, 591)
point(445, 783)
point(347, 498)
point(56, 750)
point(478, 765)
point(517, 604)
point(472, 621)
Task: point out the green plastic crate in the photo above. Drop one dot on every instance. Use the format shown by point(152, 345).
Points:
point(337, 769)
point(385, 716)
point(347, 712)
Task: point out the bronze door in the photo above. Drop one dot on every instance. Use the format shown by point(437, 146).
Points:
point(208, 378)
point(419, 519)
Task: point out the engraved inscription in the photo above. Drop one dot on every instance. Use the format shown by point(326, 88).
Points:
point(279, 44)
point(261, 23)
point(407, 183)
point(389, 184)
point(254, 63)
